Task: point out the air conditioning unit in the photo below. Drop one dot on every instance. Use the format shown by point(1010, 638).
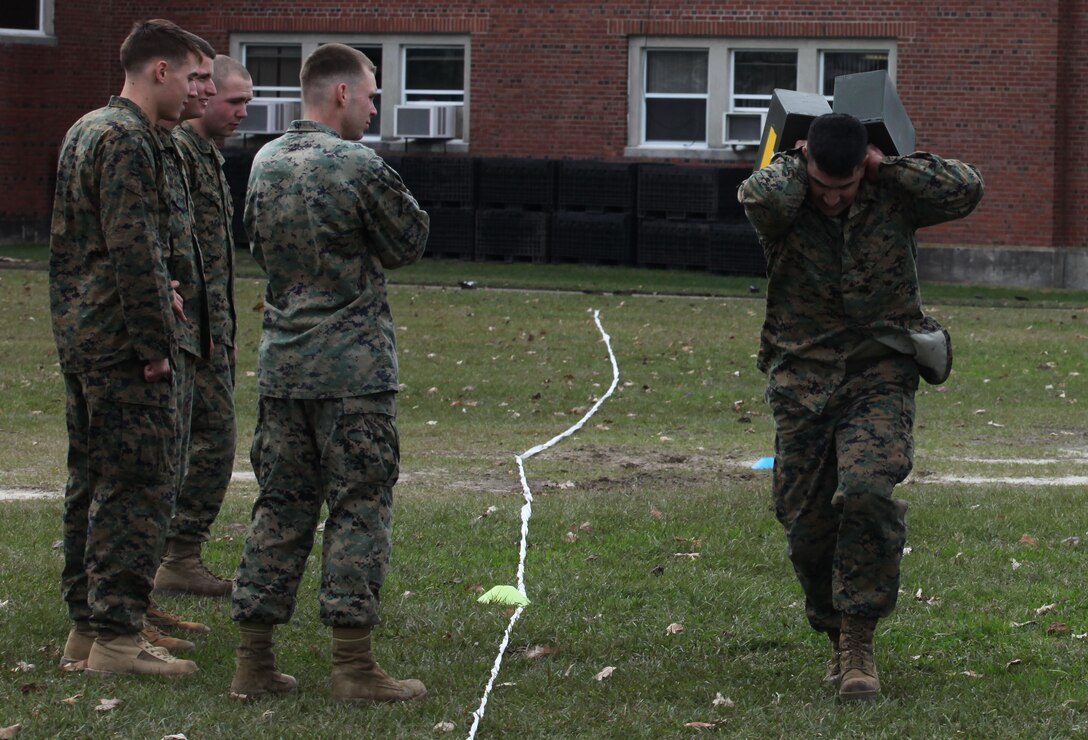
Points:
point(425, 121)
point(743, 129)
point(270, 116)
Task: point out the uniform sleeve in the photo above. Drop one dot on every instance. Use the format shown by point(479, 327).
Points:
point(397, 228)
point(773, 195)
point(937, 190)
point(254, 196)
point(129, 197)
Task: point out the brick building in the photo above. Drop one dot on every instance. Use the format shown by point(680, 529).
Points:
point(567, 84)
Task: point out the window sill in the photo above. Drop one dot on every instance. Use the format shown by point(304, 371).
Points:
point(437, 146)
point(710, 154)
point(9, 36)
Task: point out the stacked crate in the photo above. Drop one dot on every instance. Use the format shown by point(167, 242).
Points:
point(516, 200)
point(676, 205)
point(445, 187)
point(734, 248)
point(594, 204)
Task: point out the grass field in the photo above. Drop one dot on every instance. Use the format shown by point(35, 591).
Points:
point(649, 516)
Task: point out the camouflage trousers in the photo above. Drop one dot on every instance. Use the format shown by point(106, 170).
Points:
point(834, 475)
point(184, 378)
point(122, 469)
point(212, 438)
point(343, 453)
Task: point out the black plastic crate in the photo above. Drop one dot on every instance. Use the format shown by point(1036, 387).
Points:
point(663, 243)
point(511, 235)
point(677, 192)
point(604, 187)
point(453, 233)
point(593, 238)
point(446, 182)
point(735, 250)
point(730, 180)
point(528, 184)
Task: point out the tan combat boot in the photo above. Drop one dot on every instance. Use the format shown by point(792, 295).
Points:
point(164, 620)
point(132, 654)
point(834, 669)
point(155, 637)
point(77, 647)
point(255, 673)
point(182, 571)
point(859, 678)
point(357, 677)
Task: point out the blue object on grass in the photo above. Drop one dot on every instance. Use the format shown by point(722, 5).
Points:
point(764, 463)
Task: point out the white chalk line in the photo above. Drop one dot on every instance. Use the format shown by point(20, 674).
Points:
point(527, 512)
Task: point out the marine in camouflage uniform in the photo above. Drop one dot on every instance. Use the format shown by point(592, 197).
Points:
point(843, 402)
point(111, 306)
point(325, 217)
point(212, 432)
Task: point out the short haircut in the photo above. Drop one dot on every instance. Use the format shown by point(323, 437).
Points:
point(837, 143)
point(225, 67)
point(332, 63)
point(161, 39)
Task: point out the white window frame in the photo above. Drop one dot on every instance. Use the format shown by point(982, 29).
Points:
point(393, 55)
point(44, 31)
point(720, 85)
point(647, 95)
point(405, 92)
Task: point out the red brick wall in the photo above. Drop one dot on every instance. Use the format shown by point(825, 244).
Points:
point(1001, 84)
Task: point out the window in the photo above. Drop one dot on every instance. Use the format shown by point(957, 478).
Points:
point(26, 18)
point(411, 68)
point(275, 70)
point(676, 96)
point(756, 74)
point(837, 63)
point(704, 97)
point(434, 74)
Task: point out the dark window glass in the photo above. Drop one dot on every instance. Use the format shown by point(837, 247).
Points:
point(274, 66)
point(850, 62)
point(756, 74)
point(676, 119)
point(676, 71)
point(21, 15)
point(430, 69)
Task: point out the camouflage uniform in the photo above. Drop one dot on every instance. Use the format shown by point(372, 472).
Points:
point(844, 403)
point(185, 265)
point(325, 218)
point(110, 302)
point(212, 433)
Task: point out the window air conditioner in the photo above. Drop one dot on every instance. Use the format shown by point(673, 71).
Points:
point(425, 121)
point(743, 129)
point(269, 116)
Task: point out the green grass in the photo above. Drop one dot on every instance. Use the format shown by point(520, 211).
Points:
point(662, 469)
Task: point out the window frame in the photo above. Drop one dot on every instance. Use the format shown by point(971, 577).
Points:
point(647, 96)
point(393, 61)
point(44, 33)
point(721, 85)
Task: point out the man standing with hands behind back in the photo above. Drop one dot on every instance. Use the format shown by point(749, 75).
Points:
point(325, 218)
point(841, 349)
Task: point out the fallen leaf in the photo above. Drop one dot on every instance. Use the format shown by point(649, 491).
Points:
point(655, 514)
point(72, 699)
point(1071, 541)
point(571, 538)
point(1046, 608)
point(606, 672)
point(444, 727)
point(585, 527)
point(695, 542)
point(1028, 540)
point(1024, 624)
point(540, 651)
point(408, 594)
point(688, 555)
point(6, 733)
point(27, 688)
point(474, 588)
point(23, 667)
point(1080, 636)
point(969, 674)
point(1013, 662)
point(1015, 564)
point(703, 725)
point(674, 629)
point(175, 736)
point(490, 510)
point(723, 701)
point(107, 705)
point(1056, 628)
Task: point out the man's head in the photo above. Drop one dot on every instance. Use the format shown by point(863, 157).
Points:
point(338, 89)
point(227, 109)
point(161, 62)
point(205, 91)
point(835, 149)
